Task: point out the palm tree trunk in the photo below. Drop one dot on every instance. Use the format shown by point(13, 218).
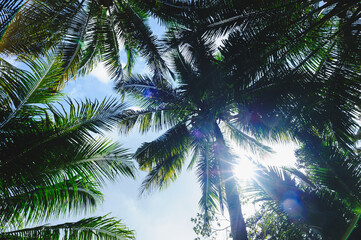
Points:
point(238, 225)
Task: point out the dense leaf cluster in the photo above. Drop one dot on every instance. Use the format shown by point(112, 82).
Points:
point(242, 71)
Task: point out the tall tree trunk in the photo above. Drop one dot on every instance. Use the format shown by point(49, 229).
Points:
point(238, 225)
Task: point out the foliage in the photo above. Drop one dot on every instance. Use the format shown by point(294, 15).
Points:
point(208, 227)
point(284, 70)
point(324, 202)
point(90, 228)
point(83, 32)
point(195, 108)
point(266, 224)
point(317, 89)
point(51, 161)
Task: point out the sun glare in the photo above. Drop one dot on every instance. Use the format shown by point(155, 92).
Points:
point(244, 170)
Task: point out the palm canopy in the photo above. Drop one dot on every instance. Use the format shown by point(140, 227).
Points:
point(304, 52)
point(300, 29)
point(195, 107)
point(51, 161)
point(83, 32)
point(315, 92)
point(251, 87)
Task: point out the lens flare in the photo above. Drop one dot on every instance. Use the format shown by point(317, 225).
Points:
point(147, 93)
point(292, 205)
point(197, 133)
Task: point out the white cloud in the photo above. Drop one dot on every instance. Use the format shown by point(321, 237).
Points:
point(100, 72)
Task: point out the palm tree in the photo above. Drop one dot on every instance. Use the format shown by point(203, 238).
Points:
point(196, 108)
point(82, 32)
point(51, 161)
point(247, 86)
point(308, 52)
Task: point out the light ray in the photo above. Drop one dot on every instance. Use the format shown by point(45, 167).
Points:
point(244, 170)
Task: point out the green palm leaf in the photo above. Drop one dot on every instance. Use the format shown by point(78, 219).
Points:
point(163, 161)
point(27, 89)
point(90, 228)
point(84, 33)
point(36, 204)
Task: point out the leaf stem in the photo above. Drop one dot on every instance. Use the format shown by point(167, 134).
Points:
point(352, 226)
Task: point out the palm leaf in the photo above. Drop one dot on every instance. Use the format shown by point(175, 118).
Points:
point(133, 28)
point(38, 87)
point(246, 141)
point(208, 177)
point(64, 147)
point(90, 228)
point(163, 161)
point(36, 204)
point(8, 10)
point(148, 93)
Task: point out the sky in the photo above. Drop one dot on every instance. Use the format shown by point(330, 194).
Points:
point(160, 215)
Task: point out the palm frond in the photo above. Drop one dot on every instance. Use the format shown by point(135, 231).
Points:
point(246, 141)
point(302, 205)
point(8, 10)
point(148, 93)
point(208, 178)
point(28, 89)
point(38, 26)
point(63, 146)
point(148, 119)
point(89, 228)
point(132, 27)
point(74, 41)
point(163, 161)
point(331, 168)
point(36, 204)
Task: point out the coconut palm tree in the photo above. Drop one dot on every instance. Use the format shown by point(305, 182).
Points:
point(248, 88)
point(198, 109)
point(309, 63)
point(51, 161)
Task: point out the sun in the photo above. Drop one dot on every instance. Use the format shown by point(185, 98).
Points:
point(244, 169)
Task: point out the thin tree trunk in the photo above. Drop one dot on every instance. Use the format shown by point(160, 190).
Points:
point(238, 225)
